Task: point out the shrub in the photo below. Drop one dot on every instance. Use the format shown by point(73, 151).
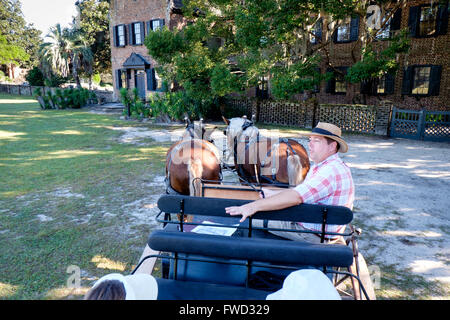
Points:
point(35, 77)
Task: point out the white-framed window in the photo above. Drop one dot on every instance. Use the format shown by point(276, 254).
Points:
point(421, 80)
point(343, 32)
point(137, 33)
point(121, 35)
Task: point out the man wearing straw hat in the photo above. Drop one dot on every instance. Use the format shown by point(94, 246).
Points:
point(329, 182)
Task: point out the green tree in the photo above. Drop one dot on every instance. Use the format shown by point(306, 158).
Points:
point(55, 53)
point(67, 52)
point(11, 54)
point(18, 33)
point(229, 45)
point(94, 25)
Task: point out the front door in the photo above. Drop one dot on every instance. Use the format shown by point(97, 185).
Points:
point(140, 83)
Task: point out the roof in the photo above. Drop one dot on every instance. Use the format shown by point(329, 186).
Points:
point(135, 61)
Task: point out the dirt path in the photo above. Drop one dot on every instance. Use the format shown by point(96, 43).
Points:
point(402, 201)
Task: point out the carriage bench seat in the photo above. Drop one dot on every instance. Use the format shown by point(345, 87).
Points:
point(232, 261)
point(283, 252)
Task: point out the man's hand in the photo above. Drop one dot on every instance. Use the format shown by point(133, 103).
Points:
point(246, 210)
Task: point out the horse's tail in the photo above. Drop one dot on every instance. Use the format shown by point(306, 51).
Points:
point(195, 170)
point(294, 168)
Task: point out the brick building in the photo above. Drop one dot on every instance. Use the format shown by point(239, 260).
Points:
point(422, 82)
point(130, 21)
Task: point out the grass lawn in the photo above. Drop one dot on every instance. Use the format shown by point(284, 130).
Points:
point(66, 187)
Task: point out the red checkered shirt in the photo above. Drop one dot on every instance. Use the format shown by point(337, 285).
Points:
point(329, 183)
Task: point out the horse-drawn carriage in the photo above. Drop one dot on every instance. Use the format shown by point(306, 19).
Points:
point(208, 254)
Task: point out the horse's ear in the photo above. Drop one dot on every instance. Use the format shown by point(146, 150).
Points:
point(188, 122)
point(227, 122)
point(253, 117)
point(244, 117)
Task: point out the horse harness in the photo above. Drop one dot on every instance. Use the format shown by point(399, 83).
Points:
point(258, 177)
point(169, 188)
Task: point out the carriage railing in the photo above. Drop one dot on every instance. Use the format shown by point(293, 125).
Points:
point(175, 205)
point(248, 264)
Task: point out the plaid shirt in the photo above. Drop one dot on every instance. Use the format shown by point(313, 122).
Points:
point(328, 183)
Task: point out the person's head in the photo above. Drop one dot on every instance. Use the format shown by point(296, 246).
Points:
point(107, 290)
point(115, 286)
point(325, 140)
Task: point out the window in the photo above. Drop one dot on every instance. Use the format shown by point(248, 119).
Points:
point(347, 31)
point(262, 90)
point(422, 80)
point(383, 85)
point(154, 81)
point(137, 33)
point(155, 24)
point(427, 25)
point(428, 20)
point(392, 24)
point(337, 84)
point(385, 32)
point(340, 86)
point(343, 32)
point(316, 36)
point(158, 82)
point(120, 39)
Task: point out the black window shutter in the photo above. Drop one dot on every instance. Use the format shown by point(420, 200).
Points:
point(366, 86)
point(131, 34)
point(115, 36)
point(142, 32)
point(118, 79)
point(396, 20)
point(150, 82)
point(331, 84)
point(161, 22)
point(154, 79)
point(435, 80)
point(148, 27)
point(334, 36)
point(318, 31)
point(442, 19)
point(407, 80)
point(389, 83)
point(413, 20)
point(125, 35)
point(354, 28)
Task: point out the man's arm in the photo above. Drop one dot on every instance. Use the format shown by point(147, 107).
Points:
point(281, 200)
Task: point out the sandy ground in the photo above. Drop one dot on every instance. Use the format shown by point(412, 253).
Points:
point(402, 199)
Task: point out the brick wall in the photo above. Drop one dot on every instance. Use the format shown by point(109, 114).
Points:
point(126, 12)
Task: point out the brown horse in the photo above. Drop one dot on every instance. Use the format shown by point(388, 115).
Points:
point(192, 159)
point(263, 160)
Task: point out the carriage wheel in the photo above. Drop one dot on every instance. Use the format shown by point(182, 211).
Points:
point(359, 268)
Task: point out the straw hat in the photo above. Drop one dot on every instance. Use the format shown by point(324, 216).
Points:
point(331, 131)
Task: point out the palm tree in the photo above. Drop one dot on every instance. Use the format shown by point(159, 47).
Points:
point(54, 54)
point(67, 51)
point(82, 57)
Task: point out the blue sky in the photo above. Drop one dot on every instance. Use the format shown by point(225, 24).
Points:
point(46, 13)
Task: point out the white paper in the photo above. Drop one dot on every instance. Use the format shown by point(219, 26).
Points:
point(220, 231)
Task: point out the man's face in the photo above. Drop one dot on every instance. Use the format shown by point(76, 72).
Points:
point(319, 149)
